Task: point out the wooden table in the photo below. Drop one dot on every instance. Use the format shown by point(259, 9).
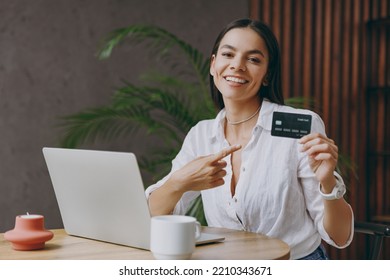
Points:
point(237, 245)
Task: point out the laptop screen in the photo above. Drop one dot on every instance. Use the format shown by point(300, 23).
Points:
point(100, 195)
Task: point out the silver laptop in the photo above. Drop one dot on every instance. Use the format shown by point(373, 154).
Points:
point(101, 196)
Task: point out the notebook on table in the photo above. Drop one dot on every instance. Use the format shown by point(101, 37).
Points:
point(101, 196)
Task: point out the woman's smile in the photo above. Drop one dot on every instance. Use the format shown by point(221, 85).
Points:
point(236, 80)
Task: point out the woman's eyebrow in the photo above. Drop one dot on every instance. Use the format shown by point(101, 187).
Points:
point(255, 51)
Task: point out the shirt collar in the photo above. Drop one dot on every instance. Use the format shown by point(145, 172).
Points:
point(217, 131)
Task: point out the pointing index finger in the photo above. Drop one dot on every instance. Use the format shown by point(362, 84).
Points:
point(225, 152)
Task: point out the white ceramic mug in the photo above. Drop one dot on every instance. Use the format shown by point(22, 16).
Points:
point(173, 237)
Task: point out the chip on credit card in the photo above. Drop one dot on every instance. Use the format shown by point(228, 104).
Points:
point(290, 125)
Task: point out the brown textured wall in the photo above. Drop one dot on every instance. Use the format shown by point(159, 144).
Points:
point(48, 69)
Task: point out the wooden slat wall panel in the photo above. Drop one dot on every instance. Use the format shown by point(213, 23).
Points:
point(324, 45)
point(378, 99)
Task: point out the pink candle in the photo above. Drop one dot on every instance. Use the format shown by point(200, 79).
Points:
point(29, 233)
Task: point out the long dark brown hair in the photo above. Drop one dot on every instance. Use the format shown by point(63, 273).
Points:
point(273, 90)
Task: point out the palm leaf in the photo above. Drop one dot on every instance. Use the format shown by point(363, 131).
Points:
point(172, 109)
point(163, 41)
point(198, 109)
point(300, 102)
point(158, 161)
point(196, 210)
point(108, 123)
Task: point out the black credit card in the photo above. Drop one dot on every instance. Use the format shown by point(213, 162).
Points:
point(290, 125)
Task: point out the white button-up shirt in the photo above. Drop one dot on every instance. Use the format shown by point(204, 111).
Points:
point(277, 193)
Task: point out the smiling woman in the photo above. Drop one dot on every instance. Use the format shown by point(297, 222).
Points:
point(248, 179)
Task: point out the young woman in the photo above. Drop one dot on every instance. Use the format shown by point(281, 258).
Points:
point(250, 180)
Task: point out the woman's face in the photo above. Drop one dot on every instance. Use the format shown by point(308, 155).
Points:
point(240, 65)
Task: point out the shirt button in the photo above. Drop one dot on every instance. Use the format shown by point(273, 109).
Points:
point(243, 169)
point(235, 199)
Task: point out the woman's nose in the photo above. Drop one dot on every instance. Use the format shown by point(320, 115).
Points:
point(237, 64)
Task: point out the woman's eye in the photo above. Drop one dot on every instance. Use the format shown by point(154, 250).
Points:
point(227, 54)
point(254, 59)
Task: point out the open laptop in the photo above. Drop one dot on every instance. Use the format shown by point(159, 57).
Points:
point(101, 196)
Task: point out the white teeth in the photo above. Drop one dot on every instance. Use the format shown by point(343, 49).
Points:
point(236, 80)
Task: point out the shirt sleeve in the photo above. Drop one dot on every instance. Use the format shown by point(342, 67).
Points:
point(311, 187)
point(185, 155)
